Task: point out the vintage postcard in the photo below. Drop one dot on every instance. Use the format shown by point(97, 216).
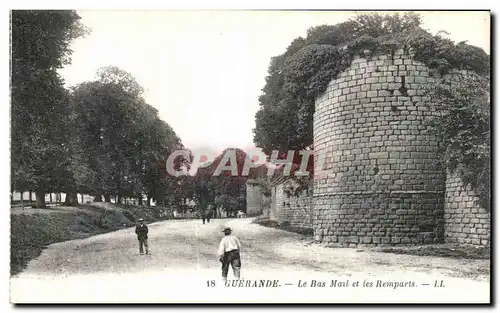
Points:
point(230, 156)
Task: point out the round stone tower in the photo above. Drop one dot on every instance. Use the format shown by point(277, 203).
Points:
point(382, 181)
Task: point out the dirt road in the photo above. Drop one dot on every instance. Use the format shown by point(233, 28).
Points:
point(108, 268)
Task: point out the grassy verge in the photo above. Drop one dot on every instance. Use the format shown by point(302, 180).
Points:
point(308, 232)
point(443, 250)
point(438, 250)
point(31, 233)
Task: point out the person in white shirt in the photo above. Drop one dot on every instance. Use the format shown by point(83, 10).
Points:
point(229, 253)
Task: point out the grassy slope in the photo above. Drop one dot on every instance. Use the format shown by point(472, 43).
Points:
point(31, 233)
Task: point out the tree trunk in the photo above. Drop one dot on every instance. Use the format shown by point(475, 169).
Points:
point(107, 198)
point(51, 197)
point(31, 196)
point(67, 200)
point(148, 201)
point(82, 198)
point(40, 199)
point(71, 199)
point(139, 200)
point(119, 200)
point(22, 200)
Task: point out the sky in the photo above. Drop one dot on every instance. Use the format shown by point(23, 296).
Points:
point(204, 70)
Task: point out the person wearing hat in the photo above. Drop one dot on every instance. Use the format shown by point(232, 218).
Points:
point(142, 235)
point(229, 253)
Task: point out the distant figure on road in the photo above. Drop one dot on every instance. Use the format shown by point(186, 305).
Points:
point(142, 235)
point(207, 214)
point(229, 253)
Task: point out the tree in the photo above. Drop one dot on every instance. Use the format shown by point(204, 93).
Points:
point(121, 140)
point(465, 131)
point(221, 186)
point(89, 152)
point(296, 77)
point(39, 143)
point(100, 137)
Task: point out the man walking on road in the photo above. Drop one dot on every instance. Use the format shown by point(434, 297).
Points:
point(142, 235)
point(229, 253)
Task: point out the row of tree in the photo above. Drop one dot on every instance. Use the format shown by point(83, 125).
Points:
point(99, 138)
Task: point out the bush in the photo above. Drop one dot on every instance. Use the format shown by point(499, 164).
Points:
point(465, 130)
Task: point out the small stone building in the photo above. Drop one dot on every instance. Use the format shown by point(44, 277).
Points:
point(254, 198)
point(257, 200)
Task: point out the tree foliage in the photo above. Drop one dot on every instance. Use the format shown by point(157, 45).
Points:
point(465, 130)
point(39, 102)
point(295, 78)
point(100, 137)
point(121, 139)
point(222, 187)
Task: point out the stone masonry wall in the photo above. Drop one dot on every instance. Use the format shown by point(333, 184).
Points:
point(295, 210)
point(266, 206)
point(383, 182)
point(465, 221)
point(254, 199)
